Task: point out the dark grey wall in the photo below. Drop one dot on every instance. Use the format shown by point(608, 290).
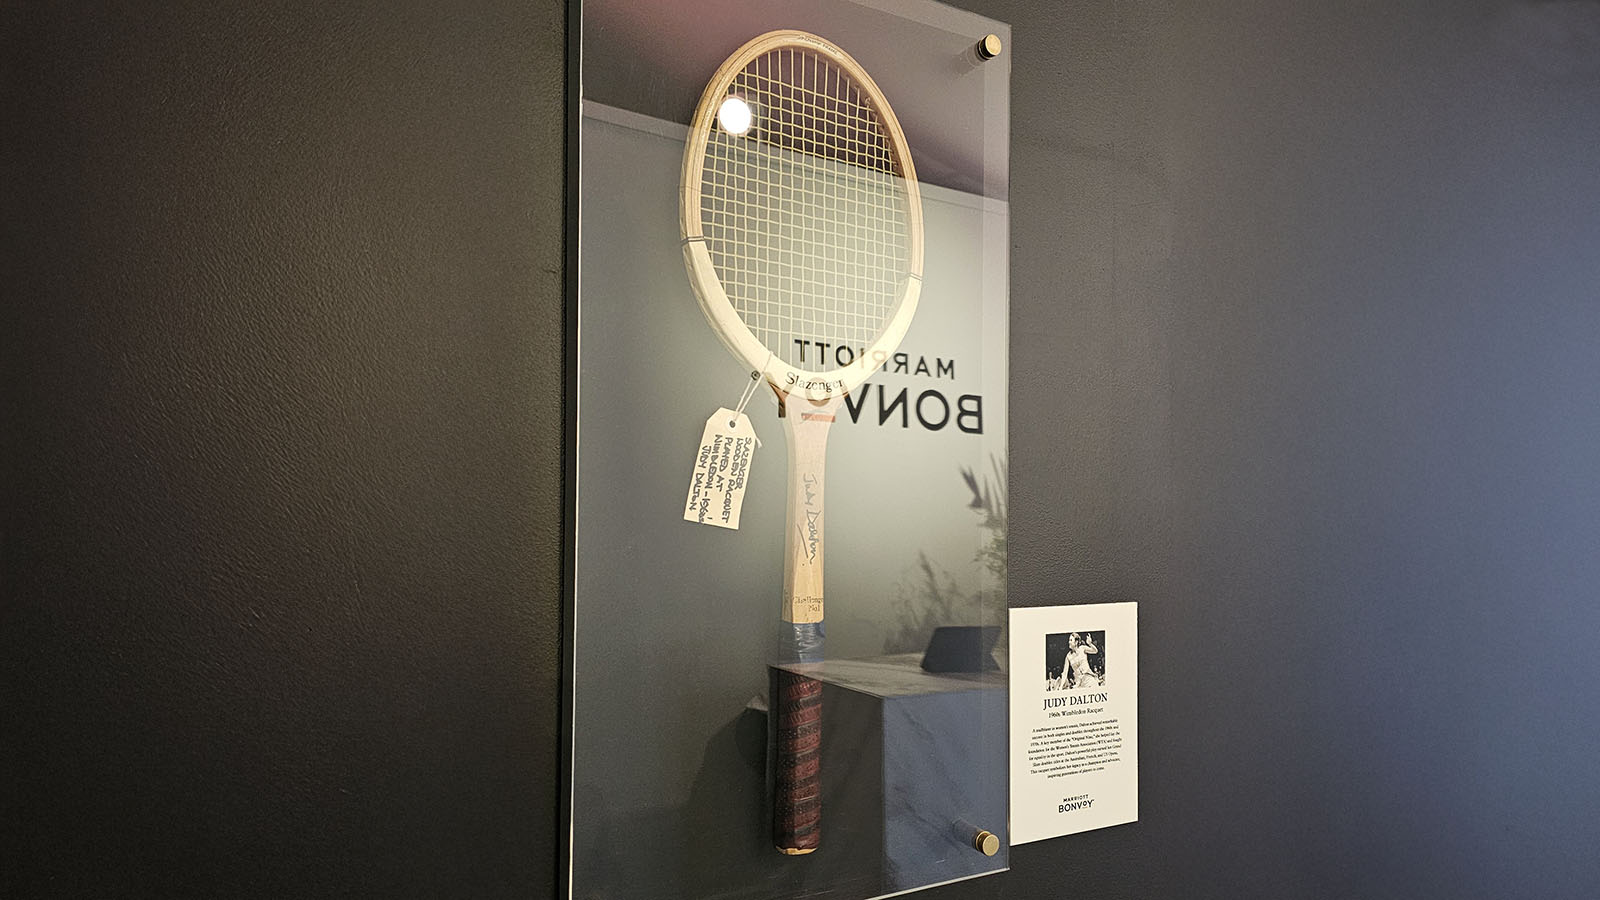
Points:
point(1305, 302)
point(282, 368)
point(1304, 297)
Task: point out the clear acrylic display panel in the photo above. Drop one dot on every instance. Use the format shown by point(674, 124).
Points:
point(674, 622)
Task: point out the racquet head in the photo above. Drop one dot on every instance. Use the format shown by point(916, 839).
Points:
point(801, 218)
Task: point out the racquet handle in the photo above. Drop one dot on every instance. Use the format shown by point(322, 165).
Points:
point(797, 747)
point(797, 763)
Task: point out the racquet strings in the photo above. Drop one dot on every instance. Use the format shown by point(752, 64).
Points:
point(806, 214)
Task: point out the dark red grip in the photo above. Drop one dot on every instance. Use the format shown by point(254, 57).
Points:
point(797, 764)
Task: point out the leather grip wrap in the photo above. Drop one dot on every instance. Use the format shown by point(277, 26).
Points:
point(797, 758)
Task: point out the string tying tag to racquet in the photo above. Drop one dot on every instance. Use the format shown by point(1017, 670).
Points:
point(722, 464)
point(749, 391)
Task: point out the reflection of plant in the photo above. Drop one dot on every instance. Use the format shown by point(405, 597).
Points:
point(990, 498)
point(928, 603)
point(934, 599)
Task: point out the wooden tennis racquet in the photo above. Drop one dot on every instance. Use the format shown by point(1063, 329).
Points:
point(802, 232)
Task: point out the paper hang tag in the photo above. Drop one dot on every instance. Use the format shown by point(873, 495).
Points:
point(721, 470)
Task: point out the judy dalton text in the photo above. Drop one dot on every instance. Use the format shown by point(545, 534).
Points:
point(1051, 702)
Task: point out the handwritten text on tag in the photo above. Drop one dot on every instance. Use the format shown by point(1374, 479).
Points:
point(721, 470)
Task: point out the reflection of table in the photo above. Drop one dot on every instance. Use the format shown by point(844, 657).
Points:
point(915, 761)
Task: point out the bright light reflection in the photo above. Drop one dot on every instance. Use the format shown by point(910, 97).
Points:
point(734, 115)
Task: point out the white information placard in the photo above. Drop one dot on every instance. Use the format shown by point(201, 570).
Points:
point(1074, 719)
